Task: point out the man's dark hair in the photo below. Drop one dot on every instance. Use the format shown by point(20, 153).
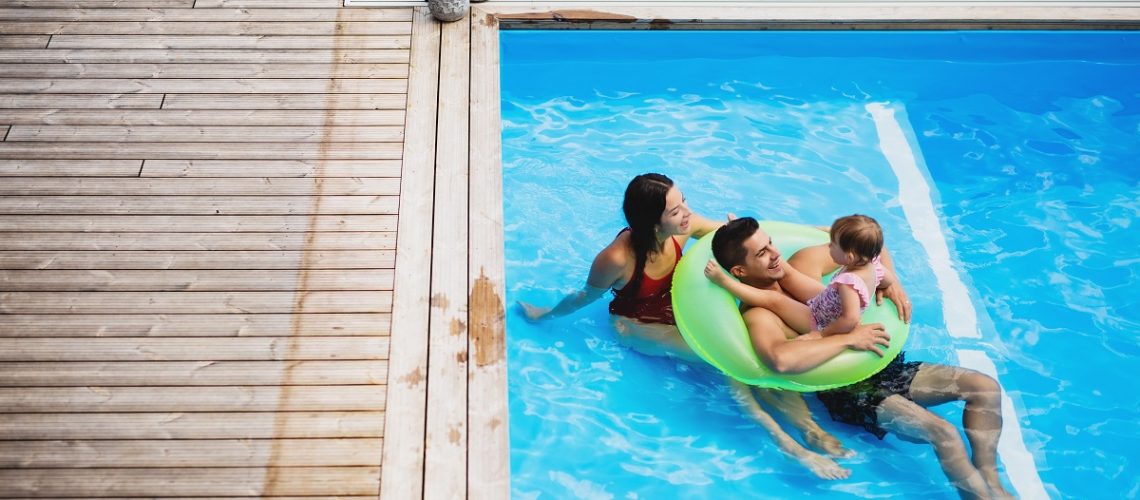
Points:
point(728, 242)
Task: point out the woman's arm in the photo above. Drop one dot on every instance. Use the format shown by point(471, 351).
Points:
point(702, 226)
point(607, 269)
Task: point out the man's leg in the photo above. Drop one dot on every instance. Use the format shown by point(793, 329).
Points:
point(936, 384)
point(820, 465)
point(913, 422)
point(793, 407)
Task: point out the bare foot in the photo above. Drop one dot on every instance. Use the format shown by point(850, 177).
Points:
point(996, 489)
point(827, 443)
point(822, 467)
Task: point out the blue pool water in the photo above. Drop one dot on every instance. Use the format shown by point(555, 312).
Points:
point(1028, 141)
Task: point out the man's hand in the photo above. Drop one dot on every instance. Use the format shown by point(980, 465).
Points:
point(868, 338)
point(897, 295)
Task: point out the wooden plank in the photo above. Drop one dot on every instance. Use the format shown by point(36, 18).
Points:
point(232, 70)
point(278, 168)
point(201, 56)
point(176, 117)
point(278, 259)
point(193, 373)
point(195, 281)
point(204, 86)
point(195, 325)
point(313, 28)
point(198, 241)
point(197, 223)
point(222, 42)
point(97, 101)
point(445, 447)
point(192, 302)
point(193, 349)
point(23, 41)
point(4, 132)
point(198, 205)
point(200, 15)
point(150, 133)
point(402, 475)
point(194, 425)
point(55, 4)
point(69, 168)
point(197, 482)
point(242, 186)
point(178, 399)
point(189, 453)
point(200, 151)
point(488, 412)
point(285, 101)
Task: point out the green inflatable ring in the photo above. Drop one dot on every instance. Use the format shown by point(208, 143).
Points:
point(710, 322)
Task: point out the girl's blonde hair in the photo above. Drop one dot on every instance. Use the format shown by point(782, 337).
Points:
point(859, 236)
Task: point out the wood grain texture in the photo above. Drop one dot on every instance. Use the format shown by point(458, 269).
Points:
point(197, 223)
point(190, 425)
point(402, 475)
point(218, 482)
point(195, 349)
point(215, 117)
point(336, 324)
point(192, 373)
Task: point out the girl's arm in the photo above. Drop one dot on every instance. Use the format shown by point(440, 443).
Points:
point(795, 314)
point(847, 321)
point(802, 286)
point(606, 270)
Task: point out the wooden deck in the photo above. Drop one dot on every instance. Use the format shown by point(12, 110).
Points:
point(201, 208)
point(254, 247)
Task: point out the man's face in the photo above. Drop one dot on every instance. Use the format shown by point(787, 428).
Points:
point(763, 264)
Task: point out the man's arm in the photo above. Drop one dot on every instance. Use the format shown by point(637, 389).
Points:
point(784, 356)
point(892, 288)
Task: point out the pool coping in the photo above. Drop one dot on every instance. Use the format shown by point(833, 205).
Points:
point(463, 448)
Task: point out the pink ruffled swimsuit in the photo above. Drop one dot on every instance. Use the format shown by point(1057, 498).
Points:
point(827, 307)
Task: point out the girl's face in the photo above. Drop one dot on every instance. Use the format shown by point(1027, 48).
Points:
point(837, 254)
point(675, 218)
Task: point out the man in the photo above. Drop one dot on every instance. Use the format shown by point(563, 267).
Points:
point(894, 399)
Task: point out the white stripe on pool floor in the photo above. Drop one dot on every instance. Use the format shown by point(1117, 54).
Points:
point(957, 309)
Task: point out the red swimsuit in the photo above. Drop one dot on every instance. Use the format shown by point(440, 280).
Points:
point(653, 300)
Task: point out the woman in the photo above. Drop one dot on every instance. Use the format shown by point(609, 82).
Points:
point(638, 266)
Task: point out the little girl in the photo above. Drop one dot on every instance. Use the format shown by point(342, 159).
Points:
point(856, 241)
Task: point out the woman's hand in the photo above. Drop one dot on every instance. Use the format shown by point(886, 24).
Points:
point(895, 292)
point(533, 313)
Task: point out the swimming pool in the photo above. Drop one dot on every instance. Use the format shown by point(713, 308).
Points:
point(1027, 142)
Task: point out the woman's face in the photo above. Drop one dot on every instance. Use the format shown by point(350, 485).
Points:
point(675, 218)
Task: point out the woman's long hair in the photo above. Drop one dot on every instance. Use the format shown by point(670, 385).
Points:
point(644, 203)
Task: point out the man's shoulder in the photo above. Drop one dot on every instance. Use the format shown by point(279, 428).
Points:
point(758, 314)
